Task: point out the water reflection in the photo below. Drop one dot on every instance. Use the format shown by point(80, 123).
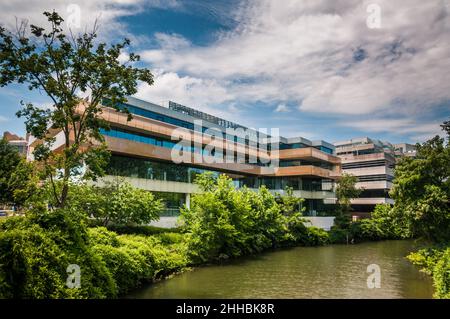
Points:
point(337, 271)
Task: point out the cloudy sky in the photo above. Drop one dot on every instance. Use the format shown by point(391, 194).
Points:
point(320, 69)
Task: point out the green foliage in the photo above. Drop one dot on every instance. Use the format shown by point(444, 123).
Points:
point(35, 252)
point(316, 237)
point(9, 159)
point(117, 203)
point(18, 182)
point(383, 224)
point(441, 276)
point(227, 222)
point(289, 204)
point(339, 235)
point(435, 262)
point(146, 230)
point(133, 259)
point(65, 68)
point(345, 192)
point(422, 190)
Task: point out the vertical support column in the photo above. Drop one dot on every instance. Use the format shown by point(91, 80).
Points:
point(188, 201)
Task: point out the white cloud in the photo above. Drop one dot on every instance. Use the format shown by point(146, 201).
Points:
point(106, 12)
point(190, 91)
point(418, 131)
point(282, 108)
point(3, 119)
point(318, 54)
point(321, 55)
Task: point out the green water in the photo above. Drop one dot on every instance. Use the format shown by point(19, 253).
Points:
point(337, 271)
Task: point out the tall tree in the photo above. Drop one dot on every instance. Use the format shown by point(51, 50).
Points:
point(346, 190)
point(67, 67)
point(422, 189)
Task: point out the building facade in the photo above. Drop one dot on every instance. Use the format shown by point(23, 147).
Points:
point(372, 162)
point(405, 149)
point(146, 152)
point(19, 143)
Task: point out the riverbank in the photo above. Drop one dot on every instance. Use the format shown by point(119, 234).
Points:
point(435, 261)
point(332, 271)
point(116, 263)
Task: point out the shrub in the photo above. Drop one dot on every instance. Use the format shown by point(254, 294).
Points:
point(117, 203)
point(141, 230)
point(133, 259)
point(382, 225)
point(225, 222)
point(36, 251)
point(338, 235)
point(441, 276)
point(296, 232)
point(317, 237)
point(435, 262)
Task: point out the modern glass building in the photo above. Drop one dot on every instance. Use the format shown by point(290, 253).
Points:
point(146, 152)
point(142, 154)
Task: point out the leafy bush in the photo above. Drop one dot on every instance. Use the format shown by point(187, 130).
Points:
point(133, 259)
point(117, 203)
point(435, 262)
point(317, 237)
point(227, 222)
point(382, 225)
point(36, 251)
point(141, 229)
point(338, 235)
point(441, 276)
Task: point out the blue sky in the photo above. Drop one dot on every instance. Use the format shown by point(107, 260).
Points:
point(310, 68)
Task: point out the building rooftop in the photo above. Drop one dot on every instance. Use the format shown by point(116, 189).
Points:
point(190, 115)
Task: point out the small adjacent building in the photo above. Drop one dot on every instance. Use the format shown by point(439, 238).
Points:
point(405, 149)
point(372, 161)
point(17, 142)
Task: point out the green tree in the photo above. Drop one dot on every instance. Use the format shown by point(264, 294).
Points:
point(382, 224)
point(227, 222)
point(9, 159)
point(422, 189)
point(289, 204)
point(116, 202)
point(18, 182)
point(346, 190)
point(65, 68)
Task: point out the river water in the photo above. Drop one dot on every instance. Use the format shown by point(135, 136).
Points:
point(335, 271)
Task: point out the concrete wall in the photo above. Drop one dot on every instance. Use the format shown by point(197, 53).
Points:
point(372, 201)
point(166, 222)
point(320, 222)
point(157, 185)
